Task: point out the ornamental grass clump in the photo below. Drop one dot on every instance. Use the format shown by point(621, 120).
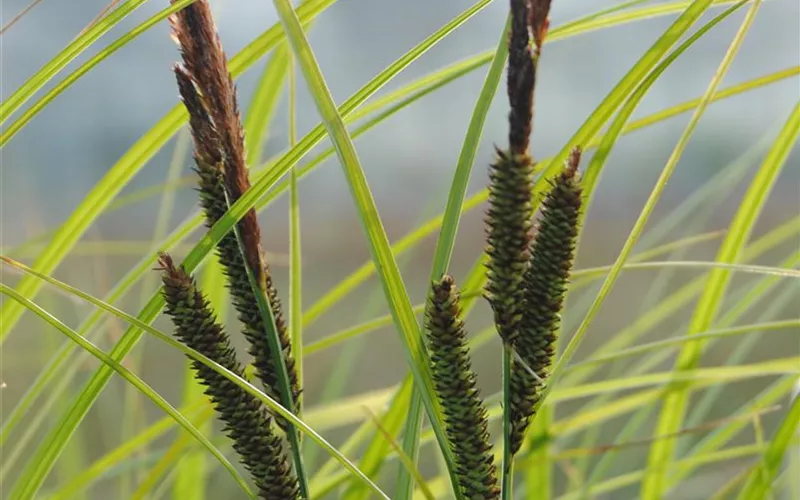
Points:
point(526, 276)
point(528, 262)
point(247, 422)
point(209, 96)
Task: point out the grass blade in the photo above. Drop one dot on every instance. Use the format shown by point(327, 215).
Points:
point(68, 53)
point(244, 384)
point(24, 489)
point(390, 278)
point(663, 178)
point(119, 175)
point(759, 481)
point(674, 406)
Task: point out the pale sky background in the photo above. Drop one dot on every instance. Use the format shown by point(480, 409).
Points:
point(59, 156)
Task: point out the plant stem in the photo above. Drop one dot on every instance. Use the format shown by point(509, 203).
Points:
point(507, 478)
point(295, 259)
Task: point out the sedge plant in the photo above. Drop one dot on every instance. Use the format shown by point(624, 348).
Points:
point(490, 441)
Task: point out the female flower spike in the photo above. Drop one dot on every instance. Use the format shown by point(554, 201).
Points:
point(247, 422)
point(455, 384)
point(544, 288)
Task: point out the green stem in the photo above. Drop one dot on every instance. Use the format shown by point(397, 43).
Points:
point(507, 479)
point(405, 483)
point(295, 259)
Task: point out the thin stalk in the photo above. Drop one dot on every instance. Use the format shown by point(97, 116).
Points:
point(295, 254)
point(507, 479)
point(382, 255)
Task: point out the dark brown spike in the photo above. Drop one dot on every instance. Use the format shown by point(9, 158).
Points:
point(209, 95)
point(521, 78)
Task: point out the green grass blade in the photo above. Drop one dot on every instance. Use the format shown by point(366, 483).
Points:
point(389, 424)
point(376, 451)
point(58, 366)
point(264, 103)
point(449, 228)
point(67, 54)
point(663, 178)
point(755, 292)
point(199, 414)
point(665, 310)
point(692, 214)
point(295, 254)
point(743, 306)
point(118, 176)
point(147, 487)
point(255, 49)
point(466, 159)
point(629, 82)
point(720, 374)
point(772, 326)
point(674, 407)
point(759, 481)
point(26, 487)
point(718, 438)
point(56, 64)
point(132, 413)
point(632, 478)
point(389, 275)
point(39, 471)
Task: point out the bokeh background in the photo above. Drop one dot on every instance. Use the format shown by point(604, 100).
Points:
point(409, 160)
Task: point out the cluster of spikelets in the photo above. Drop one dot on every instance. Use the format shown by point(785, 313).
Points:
point(527, 275)
point(209, 95)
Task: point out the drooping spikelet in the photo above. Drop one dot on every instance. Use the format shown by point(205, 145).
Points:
point(455, 384)
point(545, 286)
point(209, 95)
point(246, 420)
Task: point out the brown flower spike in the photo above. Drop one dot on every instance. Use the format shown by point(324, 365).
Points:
point(209, 95)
